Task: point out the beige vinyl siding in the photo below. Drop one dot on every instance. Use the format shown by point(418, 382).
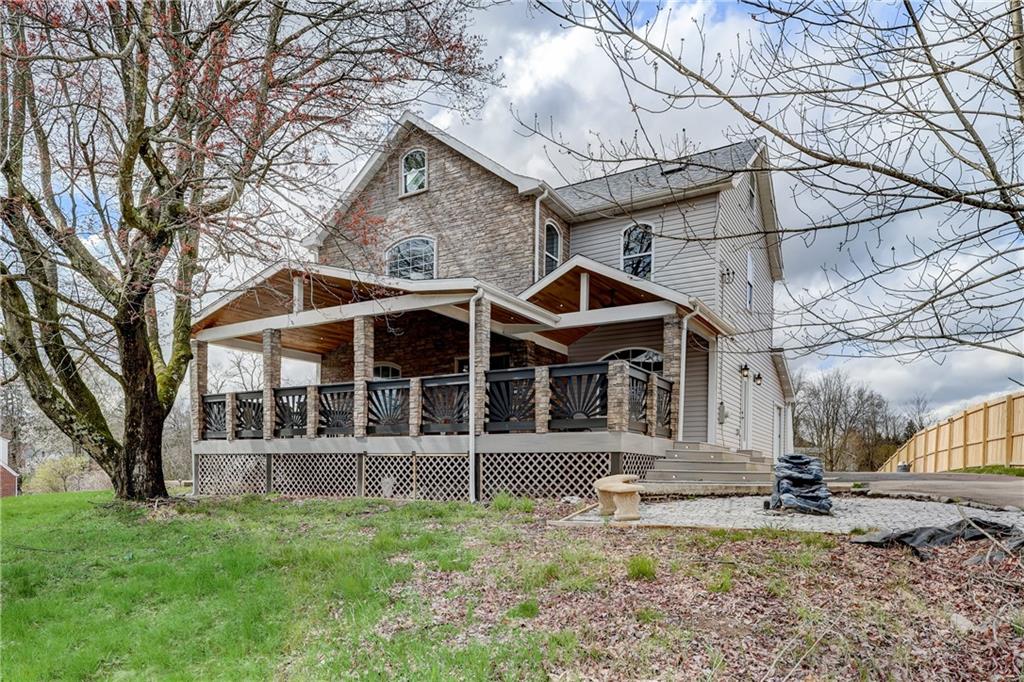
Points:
point(686, 266)
point(695, 398)
point(740, 228)
point(608, 339)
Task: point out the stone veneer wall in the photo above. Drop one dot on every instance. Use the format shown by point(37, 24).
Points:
point(426, 344)
point(483, 228)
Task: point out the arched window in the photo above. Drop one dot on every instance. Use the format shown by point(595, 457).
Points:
point(414, 171)
point(552, 247)
point(386, 370)
point(644, 358)
point(638, 250)
point(412, 258)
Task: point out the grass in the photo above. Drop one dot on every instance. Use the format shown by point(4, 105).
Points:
point(525, 609)
point(247, 588)
point(503, 502)
point(721, 581)
point(641, 567)
point(998, 469)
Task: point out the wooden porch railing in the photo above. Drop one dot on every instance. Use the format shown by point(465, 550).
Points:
point(594, 396)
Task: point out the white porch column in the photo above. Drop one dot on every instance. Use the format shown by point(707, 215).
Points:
point(787, 441)
point(362, 370)
point(197, 379)
point(271, 378)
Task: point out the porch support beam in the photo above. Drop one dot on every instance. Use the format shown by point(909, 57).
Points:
point(348, 311)
point(480, 343)
point(599, 316)
point(271, 378)
point(197, 379)
point(584, 292)
point(462, 315)
point(257, 347)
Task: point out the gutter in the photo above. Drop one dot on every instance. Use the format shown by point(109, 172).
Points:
point(472, 392)
point(723, 325)
point(537, 244)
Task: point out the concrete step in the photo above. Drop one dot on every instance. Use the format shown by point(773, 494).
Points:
point(697, 489)
point(716, 476)
point(698, 464)
point(706, 455)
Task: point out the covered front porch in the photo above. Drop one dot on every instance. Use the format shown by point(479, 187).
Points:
point(503, 392)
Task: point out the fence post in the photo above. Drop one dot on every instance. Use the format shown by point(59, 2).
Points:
point(949, 444)
point(1008, 448)
point(984, 433)
point(652, 404)
point(269, 474)
point(361, 474)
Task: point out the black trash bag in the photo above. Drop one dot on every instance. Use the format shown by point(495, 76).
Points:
point(799, 485)
point(926, 537)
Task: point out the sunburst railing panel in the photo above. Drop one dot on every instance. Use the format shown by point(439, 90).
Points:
point(388, 407)
point(291, 412)
point(249, 415)
point(445, 404)
point(215, 417)
point(579, 397)
point(510, 400)
point(337, 404)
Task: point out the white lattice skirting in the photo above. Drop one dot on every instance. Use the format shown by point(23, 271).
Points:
point(425, 477)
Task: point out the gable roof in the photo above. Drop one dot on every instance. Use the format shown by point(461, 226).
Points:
point(523, 183)
point(659, 179)
point(647, 288)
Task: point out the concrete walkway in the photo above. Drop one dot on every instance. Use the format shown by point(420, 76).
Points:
point(998, 491)
point(849, 513)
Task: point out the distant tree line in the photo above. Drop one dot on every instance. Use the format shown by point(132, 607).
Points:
point(850, 425)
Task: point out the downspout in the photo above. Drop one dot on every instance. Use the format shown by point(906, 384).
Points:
point(472, 392)
point(537, 234)
point(682, 367)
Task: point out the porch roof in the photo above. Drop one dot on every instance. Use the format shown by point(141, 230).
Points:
point(316, 315)
point(313, 305)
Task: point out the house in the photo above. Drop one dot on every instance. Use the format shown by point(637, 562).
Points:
point(477, 330)
point(9, 478)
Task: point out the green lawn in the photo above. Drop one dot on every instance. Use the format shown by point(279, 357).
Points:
point(260, 588)
point(240, 589)
point(998, 469)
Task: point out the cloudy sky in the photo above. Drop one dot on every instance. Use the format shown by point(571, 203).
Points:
point(561, 77)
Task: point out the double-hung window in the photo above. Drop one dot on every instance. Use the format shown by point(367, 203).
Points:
point(552, 248)
point(638, 250)
point(414, 171)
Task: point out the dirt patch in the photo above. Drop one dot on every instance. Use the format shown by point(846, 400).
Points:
point(729, 604)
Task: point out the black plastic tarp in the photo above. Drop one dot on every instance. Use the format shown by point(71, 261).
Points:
point(926, 537)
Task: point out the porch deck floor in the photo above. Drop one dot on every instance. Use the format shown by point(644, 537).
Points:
point(747, 512)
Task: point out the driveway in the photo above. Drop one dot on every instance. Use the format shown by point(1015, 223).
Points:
point(999, 491)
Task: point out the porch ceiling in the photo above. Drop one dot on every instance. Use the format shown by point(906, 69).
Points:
point(319, 339)
point(273, 296)
point(563, 294)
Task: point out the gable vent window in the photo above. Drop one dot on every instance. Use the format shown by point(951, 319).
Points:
point(750, 281)
point(638, 250)
point(387, 370)
point(414, 171)
point(414, 258)
point(552, 248)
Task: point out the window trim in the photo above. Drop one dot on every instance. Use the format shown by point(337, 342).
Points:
point(622, 249)
point(390, 365)
point(387, 253)
point(606, 356)
point(556, 256)
point(402, 172)
point(748, 294)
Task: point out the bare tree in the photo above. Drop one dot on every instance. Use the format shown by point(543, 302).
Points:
point(142, 140)
point(918, 414)
point(241, 372)
point(898, 128)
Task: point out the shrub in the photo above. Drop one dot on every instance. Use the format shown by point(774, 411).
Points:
point(58, 474)
point(641, 567)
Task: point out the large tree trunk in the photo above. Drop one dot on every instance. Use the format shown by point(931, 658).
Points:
point(139, 475)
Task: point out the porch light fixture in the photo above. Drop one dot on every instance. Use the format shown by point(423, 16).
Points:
point(758, 379)
point(744, 371)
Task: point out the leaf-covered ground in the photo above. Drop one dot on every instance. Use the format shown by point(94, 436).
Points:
point(258, 588)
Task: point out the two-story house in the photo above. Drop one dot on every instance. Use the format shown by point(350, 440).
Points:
point(477, 330)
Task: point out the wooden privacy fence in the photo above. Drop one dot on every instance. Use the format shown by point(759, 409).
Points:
point(989, 433)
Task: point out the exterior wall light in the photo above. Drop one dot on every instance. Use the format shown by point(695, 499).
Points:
point(758, 379)
point(744, 371)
